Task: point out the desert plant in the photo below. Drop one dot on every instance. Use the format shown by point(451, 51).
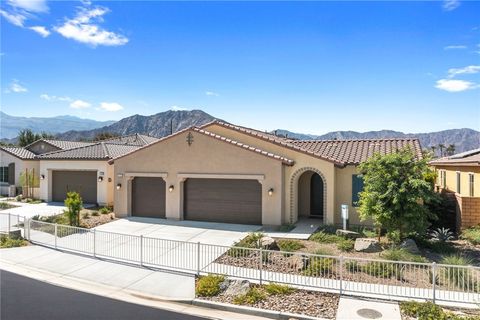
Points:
point(379, 269)
point(459, 277)
point(104, 210)
point(323, 252)
point(352, 266)
point(472, 235)
point(278, 289)
point(74, 204)
point(253, 296)
point(208, 286)
point(7, 242)
point(398, 254)
point(95, 213)
point(345, 245)
point(422, 311)
point(441, 235)
point(319, 267)
point(324, 237)
point(288, 245)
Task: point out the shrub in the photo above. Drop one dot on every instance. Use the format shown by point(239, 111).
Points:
point(105, 210)
point(74, 204)
point(95, 213)
point(345, 245)
point(253, 296)
point(352, 266)
point(323, 237)
point(319, 267)
point(289, 245)
point(441, 235)
point(86, 215)
point(459, 277)
point(208, 286)
point(472, 235)
point(278, 289)
point(7, 242)
point(436, 246)
point(397, 254)
point(252, 240)
point(379, 269)
point(422, 311)
point(323, 252)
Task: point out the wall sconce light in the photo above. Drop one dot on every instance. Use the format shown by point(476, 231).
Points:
point(270, 192)
point(42, 177)
point(100, 179)
point(109, 179)
point(170, 189)
point(119, 186)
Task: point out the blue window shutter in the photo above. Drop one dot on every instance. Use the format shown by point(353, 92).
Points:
point(357, 187)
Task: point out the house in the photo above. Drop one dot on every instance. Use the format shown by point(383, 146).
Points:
point(458, 177)
point(226, 173)
point(62, 166)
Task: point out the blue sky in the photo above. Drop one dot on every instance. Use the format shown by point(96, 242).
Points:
point(309, 67)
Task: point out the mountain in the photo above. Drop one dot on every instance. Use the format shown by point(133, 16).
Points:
point(11, 125)
point(157, 125)
point(463, 139)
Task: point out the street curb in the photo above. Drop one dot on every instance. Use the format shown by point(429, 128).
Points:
point(251, 311)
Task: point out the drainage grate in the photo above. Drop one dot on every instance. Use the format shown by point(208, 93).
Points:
point(369, 314)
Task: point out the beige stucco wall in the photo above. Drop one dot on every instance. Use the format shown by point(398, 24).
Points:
point(175, 160)
point(104, 188)
point(20, 166)
point(451, 179)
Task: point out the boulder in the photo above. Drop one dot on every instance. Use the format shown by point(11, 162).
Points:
point(367, 245)
point(347, 234)
point(224, 285)
point(268, 243)
point(237, 287)
point(410, 246)
point(297, 262)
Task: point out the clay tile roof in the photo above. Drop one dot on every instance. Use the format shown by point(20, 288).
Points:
point(97, 151)
point(132, 139)
point(467, 158)
point(18, 152)
point(245, 146)
point(61, 144)
point(353, 152)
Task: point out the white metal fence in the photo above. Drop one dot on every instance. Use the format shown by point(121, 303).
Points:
point(346, 275)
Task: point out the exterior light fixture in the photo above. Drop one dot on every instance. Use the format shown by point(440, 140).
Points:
point(109, 179)
point(270, 192)
point(100, 179)
point(170, 189)
point(42, 177)
point(119, 186)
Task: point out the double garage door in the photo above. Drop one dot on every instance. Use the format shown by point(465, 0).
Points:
point(212, 200)
point(83, 182)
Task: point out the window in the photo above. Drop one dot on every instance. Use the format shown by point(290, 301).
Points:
point(357, 187)
point(458, 182)
point(471, 181)
point(4, 174)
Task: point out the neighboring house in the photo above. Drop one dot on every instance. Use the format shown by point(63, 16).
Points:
point(226, 173)
point(458, 176)
point(64, 166)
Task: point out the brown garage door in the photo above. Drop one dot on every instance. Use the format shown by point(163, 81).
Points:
point(83, 182)
point(148, 197)
point(223, 200)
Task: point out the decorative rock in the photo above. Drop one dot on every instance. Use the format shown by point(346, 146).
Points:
point(410, 246)
point(298, 262)
point(237, 287)
point(367, 245)
point(268, 243)
point(347, 234)
point(224, 285)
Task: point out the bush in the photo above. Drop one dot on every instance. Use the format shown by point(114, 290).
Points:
point(278, 289)
point(74, 204)
point(323, 252)
point(422, 311)
point(379, 269)
point(289, 245)
point(253, 296)
point(95, 213)
point(352, 266)
point(105, 210)
point(86, 215)
point(459, 277)
point(397, 254)
point(320, 267)
point(7, 242)
point(436, 246)
point(345, 245)
point(323, 237)
point(252, 240)
point(208, 286)
point(472, 235)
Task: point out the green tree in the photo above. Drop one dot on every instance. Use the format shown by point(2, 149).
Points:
point(74, 203)
point(441, 146)
point(26, 136)
point(397, 190)
point(104, 136)
point(450, 150)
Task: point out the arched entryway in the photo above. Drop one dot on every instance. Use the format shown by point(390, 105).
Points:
point(311, 195)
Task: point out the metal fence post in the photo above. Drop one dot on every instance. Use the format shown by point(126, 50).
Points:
point(141, 249)
point(198, 259)
point(434, 280)
point(29, 227)
point(260, 268)
point(55, 236)
point(9, 217)
point(94, 243)
point(341, 275)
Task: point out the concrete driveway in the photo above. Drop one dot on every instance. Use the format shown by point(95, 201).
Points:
point(29, 210)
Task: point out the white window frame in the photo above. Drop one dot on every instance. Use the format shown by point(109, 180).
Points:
point(471, 184)
point(459, 181)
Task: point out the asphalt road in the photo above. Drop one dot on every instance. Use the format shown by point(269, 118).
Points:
point(22, 298)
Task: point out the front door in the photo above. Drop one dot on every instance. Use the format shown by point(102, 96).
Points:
point(316, 196)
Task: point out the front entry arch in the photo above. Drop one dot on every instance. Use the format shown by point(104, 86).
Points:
point(308, 194)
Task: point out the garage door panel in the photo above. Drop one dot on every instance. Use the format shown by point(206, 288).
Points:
point(148, 197)
point(83, 182)
point(223, 200)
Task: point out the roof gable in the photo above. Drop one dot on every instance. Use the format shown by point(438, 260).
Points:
point(20, 153)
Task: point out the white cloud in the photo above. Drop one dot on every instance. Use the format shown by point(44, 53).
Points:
point(455, 85)
point(467, 70)
point(83, 28)
point(16, 87)
point(455, 47)
point(211, 93)
point(54, 98)
point(40, 30)
point(110, 106)
point(14, 18)
point(30, 5)
point(80, 104)
point(450, 5)
point(178, 108)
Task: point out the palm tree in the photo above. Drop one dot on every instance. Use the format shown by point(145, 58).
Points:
point(433, 150)
point(441, 146)
point(450, 149)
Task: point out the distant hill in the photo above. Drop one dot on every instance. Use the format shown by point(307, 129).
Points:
point(463, 139)
point(157, 125)
point(11, 125)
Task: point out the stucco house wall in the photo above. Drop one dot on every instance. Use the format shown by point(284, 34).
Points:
point(175, 160)
point(104, 188)
point(20, 166)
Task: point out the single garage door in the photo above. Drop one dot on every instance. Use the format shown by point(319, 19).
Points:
point(223, 200)
point(83, 182)
point(148, 197)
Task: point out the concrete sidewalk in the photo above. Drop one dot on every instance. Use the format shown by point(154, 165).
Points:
point(118, 281)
